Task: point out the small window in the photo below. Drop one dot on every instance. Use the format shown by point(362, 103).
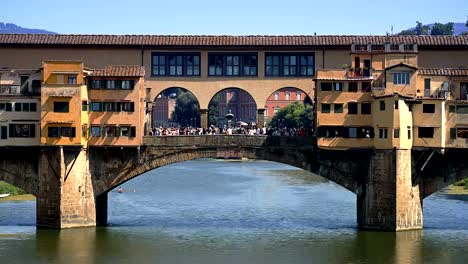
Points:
point(366, 108)
point(287, 95)
point(61, 107)
point(452, 109)
point(125, 131)
point(338, 108)
point(429, 108)
point(401, 78)
point(84, 106)
point(383, 133)
point(326, 86)
point(352, 108)
point(71, 79)
point(462, 132)
point(453, 133)
point(352, 132)
point(96, 106)
point(33, 107)
point(26, 107)
point(8, 107)
point(326, 108)
point(276, 96)
point(96, 84)
point(110, 131)
point(110, 84)
point(53, 132)
point(68, 132)
point(21, 130)
point(396, 104)
point(382, 105)
point(353, 87)
point(425, 132)
point(128, 106)
point(298, 96)
point(18, 107)
point(366, 87)
point(338, 86)
point(95, 131)
point(127, 85)
point(109, 106)
point(396, 133)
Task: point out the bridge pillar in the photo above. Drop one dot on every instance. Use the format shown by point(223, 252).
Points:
point(65, 190)
point(101, 209)
point(261, 117)
point(389, 198)
point(204, 118)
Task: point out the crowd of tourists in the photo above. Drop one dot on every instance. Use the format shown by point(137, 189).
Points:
point(236, 130)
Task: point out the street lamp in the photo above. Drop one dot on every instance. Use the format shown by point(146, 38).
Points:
point(229, 117)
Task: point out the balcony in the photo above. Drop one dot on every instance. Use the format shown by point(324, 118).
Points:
point(18, 90)
point(67, 90)
point(359, 73)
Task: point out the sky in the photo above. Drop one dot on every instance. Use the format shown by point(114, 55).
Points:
point(239, 17)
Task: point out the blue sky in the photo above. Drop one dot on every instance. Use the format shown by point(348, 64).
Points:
point(240, 17)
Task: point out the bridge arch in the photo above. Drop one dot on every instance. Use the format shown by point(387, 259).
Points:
point(123, 166)
point(238, 100)
point(165, 102)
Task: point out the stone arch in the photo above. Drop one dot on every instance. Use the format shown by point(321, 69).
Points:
point(165, 100)
point(19, 168)
point(153, 157)
point(244, 106)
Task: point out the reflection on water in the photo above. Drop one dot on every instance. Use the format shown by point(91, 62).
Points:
point(234, 212)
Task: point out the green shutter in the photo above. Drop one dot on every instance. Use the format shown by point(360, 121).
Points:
point(453, 133)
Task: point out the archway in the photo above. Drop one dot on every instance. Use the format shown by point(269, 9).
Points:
point(284, 97)
point(175, 107)
point(232, 100)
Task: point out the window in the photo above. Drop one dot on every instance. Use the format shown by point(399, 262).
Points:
point(21, 131)
point(326, 86)
point(6, 107)
point(352, 87)
point(382, 105)
point(401, 78)
point(429, 108)
point(289, 64)
point(352, 108)
point(84, 106)
point(18, 107)
point(61, 107)
point(132, 131)
point(462, 109)
point(26, 107)
point(175, 64)
point(453, 133)
point(366, 87)
point(125, 131)
point(96, 106)
point(326, 108)
point(409, 132)
point(338, 108)
point(110, 131)
point(110, 84)
point(462, 132)
point(298, 96)
point(53, 132)
point(383, 132)
point(277, 96)
point(396, 104)
point(276, 109)
point(287, 95)
point(67, 132)
point(109, 106)
point(3, 132)
point(128, 106)
point(425, 132)
point(95, 131)
point(71, 79)
point(452, 108)
point(352, 132)
point(236, 64)
point(366, 108)
point(396, 133)
point(127, 84)
point(338, 86)
point(96, 84)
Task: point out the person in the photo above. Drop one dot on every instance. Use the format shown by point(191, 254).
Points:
point(120, 190)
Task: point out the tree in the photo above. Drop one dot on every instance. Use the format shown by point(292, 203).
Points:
point(408, 32)
point(442, 29)
point(295, 115)
point(213, 112)
point(421, 29)
point(187, 110)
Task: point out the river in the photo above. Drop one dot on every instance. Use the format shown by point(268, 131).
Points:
point(210, 211)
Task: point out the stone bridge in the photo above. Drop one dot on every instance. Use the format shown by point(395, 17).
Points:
point(71, 184)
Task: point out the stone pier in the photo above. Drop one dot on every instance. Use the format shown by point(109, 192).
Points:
point(65, 191)
point(389, 197)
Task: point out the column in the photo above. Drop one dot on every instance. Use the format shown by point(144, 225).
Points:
point(204, 118)
point(388, 198)
point(261, 117)
point(65, 190)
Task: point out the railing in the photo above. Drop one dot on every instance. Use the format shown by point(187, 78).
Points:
point(359, 73)
point(10, 89)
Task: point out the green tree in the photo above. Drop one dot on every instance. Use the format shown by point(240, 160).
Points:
point(421, 29)
point(295, 115)
point(408, 32)
point(213, 112)
point(442, 29)
point(187, 110)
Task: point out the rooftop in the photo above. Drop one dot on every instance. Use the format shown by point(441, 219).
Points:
point(120, 71)
point(222, 40)
point(443, 71)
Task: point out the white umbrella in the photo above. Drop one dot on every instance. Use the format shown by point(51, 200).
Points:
point(240, 123)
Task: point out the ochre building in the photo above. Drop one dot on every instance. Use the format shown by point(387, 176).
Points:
point(382, 92)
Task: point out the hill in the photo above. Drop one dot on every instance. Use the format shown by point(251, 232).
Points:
point(10, 28)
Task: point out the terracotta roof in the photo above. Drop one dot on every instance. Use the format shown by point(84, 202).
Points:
point(120, 71)
point(202, 40)
point(344, 79)
point(443, 71)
